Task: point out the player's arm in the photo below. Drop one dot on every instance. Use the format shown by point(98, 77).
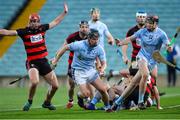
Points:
point(59, 18)
point(8, 32)
point(110, 39)
point(124, 54)
point(103, 67)
point(102, 59)
point(59, 53)
point(65, 43)
point(125, 41)
point(124, 50)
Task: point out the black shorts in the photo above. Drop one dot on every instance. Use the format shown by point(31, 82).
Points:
point(133, 71)
point(132, 97)
point(42, 65)
point(69, 73)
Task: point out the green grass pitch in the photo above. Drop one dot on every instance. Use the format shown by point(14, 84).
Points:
point(13, 99)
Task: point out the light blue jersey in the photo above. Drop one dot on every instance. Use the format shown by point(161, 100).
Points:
point(150, 41)
point(102, 29)
point(85, 56)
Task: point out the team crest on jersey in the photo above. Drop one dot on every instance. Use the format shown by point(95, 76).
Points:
point(36, 38)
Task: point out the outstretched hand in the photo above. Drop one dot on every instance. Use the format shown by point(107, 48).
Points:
point(101, 72)
point(125, 59)
point(118, 42)
point(110, 42)
point(65, 8)
point(52, 63)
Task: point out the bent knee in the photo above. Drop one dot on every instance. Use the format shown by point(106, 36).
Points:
point(104, 89)
point(34, 82)
point(86, 94)
point(55, 86)
point(145, 76)
point(72, 85)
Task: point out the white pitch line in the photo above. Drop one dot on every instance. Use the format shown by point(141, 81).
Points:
point(36, 107)
point(174, 106)
point(171, 95)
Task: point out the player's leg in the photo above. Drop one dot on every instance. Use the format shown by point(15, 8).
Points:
point(70, 92)
point(83, 93)
point(34, 79)
point(174, 77)
point(97, 97)
point(144, 71)
point(125, 73)
point(102, 88)
point(169, 75)
point(80, 78)
point(52, 80)
point(135, 81)
point(157, 97)
point(112, 95)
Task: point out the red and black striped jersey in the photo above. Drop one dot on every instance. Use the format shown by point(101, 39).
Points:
point(34, 41)
point(135, 45)
point(150, 83)
point(72, 38)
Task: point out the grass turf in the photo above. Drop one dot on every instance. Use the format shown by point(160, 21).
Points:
point(13, 99)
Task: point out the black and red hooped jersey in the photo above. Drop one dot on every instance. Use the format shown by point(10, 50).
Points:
point(34, 41)
point(72, 38)
point(135, 45)
point(150, 83)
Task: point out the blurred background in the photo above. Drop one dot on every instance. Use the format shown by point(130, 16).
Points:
point(118, 15)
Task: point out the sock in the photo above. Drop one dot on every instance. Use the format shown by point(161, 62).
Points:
point(94, 101)
point(30, 101)
point(79, 95)
point(114, 73)
point(111, 102)
point(70, 100)
point(119, 100)
point(141, 98)
point(106, 104)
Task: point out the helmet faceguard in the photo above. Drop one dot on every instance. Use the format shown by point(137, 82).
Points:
point(83, 28)
point(93, 37)
point(93, 34)
point(151, 22)
point(83, 22)
point(152, 19)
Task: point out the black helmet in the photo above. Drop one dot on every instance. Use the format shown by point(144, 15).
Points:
point(93, 34)
point(156, 18)
point(83, 22)
point(152, 19)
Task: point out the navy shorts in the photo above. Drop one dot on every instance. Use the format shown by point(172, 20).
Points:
point(42, 65)
point(69, 73)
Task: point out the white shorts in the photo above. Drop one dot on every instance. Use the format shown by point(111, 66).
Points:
point(83, 77)
point(150, 62)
